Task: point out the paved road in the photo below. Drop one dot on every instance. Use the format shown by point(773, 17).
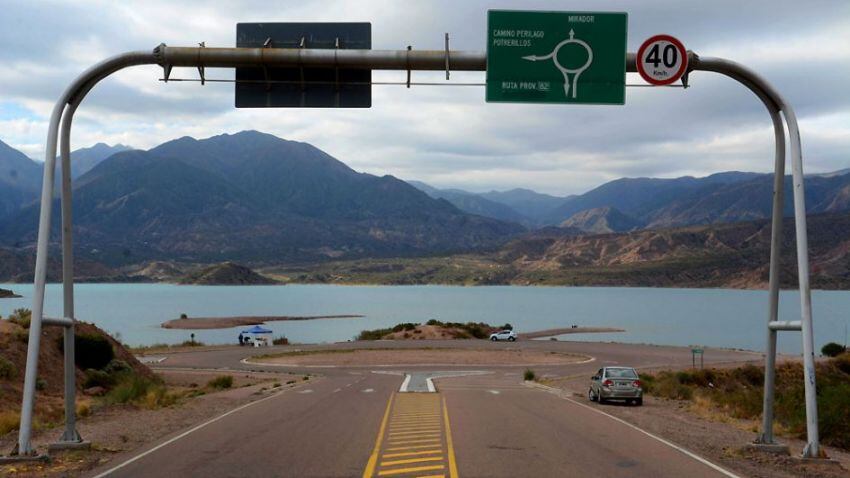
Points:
point(354, 422)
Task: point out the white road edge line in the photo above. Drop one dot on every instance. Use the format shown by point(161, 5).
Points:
point(187, 432)
point(404, 384)
point(684, 451)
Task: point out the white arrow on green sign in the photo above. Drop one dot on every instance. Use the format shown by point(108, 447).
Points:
point(556, 57)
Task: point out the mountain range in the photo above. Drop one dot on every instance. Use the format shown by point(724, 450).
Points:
point(252, 196)
point(21, 177)
point(629, 204)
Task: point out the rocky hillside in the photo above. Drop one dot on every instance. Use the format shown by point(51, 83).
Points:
point(226, 273)
point(601, 220)
point(727, 255)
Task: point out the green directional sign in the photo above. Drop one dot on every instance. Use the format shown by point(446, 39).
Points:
point(556, 57)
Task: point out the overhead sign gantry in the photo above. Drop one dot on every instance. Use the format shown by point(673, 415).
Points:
point(581, 56)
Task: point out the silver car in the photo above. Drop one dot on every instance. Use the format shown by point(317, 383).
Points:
point(616, 383)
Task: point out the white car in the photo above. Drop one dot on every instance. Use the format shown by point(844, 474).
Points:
point(508, 335)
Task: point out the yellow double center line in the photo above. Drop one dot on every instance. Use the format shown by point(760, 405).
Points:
point(415, 439)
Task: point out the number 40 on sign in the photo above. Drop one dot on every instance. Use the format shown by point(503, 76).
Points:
point(662, 60)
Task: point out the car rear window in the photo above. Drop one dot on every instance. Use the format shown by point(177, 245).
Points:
point(620, 373)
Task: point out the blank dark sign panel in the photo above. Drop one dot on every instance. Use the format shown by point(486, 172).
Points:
point(304, 87)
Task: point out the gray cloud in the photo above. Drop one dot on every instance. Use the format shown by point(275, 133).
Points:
point(449, 136)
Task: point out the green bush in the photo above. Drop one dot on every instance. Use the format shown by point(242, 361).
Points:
point(98, 378)
point(221, 382)
point(130, 388)
point(117, 366)
point(192, 343)
point(404, 326)
point(280, 341)
point(376, 334)
point(40, 384)
point(832, 349)
point(842, 362)
point(529, 374)
point(7, 369)
point(21, 317)
point(92, 351)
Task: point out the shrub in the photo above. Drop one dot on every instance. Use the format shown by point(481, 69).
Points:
point(221, 382)
point(832, 349)
point(184, 316)
point(92, 351)
point(280, 341)
point(192, 343)
point(117, 366)
point(376, 334)
point(9, 420)
point(98, 378)
point(21, 317)
point(132, 388)
point(40, 384)
point(7, 369)
point(842, 362)
point(508, 327)
point(529, 374)
point(404, 326)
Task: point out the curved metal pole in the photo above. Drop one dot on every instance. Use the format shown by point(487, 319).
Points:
point(738, 71)
point(101, 70)
point(766, 435)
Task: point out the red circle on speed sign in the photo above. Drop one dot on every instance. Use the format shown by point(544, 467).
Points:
point(661, 60)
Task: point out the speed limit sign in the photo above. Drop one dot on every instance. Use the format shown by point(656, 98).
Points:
point(662, 60)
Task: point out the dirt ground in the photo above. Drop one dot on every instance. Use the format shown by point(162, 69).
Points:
point(710, 434)
point(388, 357)
point(116, 429)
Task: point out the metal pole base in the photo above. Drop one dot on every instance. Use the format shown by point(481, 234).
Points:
point(68, 445)
point(15, 457)
point(808, 455)
point(774, 448)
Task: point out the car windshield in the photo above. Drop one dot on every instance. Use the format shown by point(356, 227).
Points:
point(620, 373)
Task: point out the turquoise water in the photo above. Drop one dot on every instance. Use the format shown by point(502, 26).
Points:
point(712, 317)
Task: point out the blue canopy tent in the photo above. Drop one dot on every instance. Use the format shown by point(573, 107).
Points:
point(256, 340)
point(257, 330)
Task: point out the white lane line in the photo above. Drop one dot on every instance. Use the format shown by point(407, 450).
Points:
point(691, 454)
point(494, 392)
point(337, 390)
point(309, 390)
point(404, 384)
point(187, 432)
point(369, 390)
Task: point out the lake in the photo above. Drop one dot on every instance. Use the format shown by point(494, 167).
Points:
point(710, 317)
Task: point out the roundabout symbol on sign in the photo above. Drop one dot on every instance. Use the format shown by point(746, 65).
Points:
point(662, 60)
point(563, 69)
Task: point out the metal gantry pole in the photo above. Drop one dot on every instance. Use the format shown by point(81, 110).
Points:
point(169, 57)
point(82, 83)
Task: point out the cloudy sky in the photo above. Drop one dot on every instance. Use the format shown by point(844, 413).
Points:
point(447, 136)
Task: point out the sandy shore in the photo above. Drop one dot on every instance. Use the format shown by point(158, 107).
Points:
point(568, 330)
point(199, 323)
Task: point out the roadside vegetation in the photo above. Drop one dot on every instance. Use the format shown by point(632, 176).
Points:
point(738, 392)
point(456, 330)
